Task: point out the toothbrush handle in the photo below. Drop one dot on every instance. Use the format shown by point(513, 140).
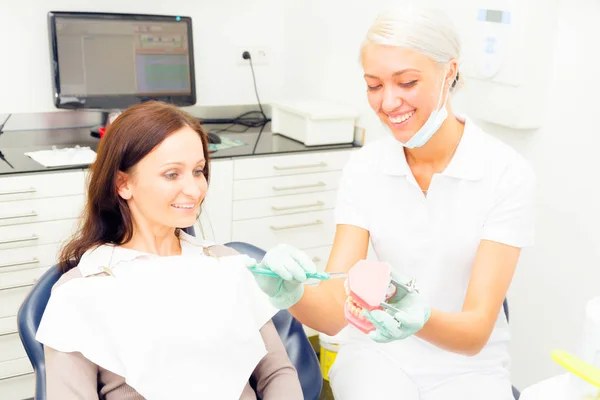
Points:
point(262, 271)
point(266, 271)
point(323, 276)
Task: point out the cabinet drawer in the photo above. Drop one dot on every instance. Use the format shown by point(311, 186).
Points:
point(18, 388)
point(13, 236)
point(290, 164)
point(285, 185)
point(11, 347)
point(42, 185)
point(17, 380)
point(282, 205)
point(305, 230)
point(8, 325)
point(23, 258)
point(23, 277)
point(319, 256)
point(11, 298)
point(38, 210)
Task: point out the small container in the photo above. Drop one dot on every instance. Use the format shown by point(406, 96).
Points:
point(329, 347)
point(314, 122)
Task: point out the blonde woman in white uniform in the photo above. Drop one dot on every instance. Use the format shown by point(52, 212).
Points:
point(441, 201)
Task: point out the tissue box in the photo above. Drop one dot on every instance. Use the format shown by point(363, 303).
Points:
point(313, 122)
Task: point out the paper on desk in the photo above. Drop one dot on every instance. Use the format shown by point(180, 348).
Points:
point(66, 156)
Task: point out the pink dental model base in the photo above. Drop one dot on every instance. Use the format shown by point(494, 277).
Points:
point(367, 287)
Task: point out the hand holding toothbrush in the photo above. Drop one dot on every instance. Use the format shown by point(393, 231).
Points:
point(281, 275)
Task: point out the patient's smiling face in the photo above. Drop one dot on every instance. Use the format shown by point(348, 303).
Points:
point(165, 188)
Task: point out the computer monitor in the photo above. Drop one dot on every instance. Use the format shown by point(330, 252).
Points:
point(111, 61)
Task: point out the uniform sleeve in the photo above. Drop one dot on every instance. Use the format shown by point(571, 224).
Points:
point(511, 219)
point(70, 376)
point(276, 377)
point(352, 198)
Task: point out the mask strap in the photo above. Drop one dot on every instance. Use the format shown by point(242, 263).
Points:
point(442, 92)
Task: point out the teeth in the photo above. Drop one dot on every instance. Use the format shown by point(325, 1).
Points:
point(355, 309)
point(402, 118)
point(187, 206)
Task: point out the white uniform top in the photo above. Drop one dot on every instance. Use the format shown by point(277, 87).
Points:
point(486, 192)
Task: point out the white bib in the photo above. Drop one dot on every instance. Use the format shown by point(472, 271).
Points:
point(173, 327)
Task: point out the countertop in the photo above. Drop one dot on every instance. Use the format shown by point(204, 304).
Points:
point(14, 145)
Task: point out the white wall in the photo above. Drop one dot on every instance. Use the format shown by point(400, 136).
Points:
point(555, 279)
point(322, 50)
point(220, 28)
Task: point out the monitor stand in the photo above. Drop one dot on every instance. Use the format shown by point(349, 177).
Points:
point(107, 118)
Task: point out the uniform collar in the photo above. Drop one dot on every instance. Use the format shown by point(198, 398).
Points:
point(466, 164)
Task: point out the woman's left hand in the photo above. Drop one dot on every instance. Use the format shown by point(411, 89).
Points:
point(412, 315)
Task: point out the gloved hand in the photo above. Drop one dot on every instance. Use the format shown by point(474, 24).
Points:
point(291, 265)
point(412, 316)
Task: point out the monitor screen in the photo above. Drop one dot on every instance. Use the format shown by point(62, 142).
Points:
point(112, 61)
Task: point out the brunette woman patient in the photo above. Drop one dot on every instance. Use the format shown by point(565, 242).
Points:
point(144, 310)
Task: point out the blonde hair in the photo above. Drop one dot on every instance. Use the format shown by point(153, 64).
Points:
point(427, 31)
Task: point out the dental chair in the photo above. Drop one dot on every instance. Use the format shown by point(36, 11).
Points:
point(290, 330)
point(294, 338)
point(516, 393)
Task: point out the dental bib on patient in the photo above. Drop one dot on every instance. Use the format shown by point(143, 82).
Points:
point(174, 327)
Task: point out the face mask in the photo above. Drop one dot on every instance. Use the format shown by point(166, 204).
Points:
point(431, 126)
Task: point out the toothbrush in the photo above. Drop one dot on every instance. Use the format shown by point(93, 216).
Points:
point(323, 276)
point(316, 275)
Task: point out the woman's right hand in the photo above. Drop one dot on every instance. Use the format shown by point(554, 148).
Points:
point(291, 265)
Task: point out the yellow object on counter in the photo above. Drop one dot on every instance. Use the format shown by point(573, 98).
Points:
point(578, 367)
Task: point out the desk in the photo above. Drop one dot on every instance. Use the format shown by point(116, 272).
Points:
point(15, 143)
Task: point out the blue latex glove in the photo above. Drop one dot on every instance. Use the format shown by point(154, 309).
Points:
point(291, 265)
point(412, 316)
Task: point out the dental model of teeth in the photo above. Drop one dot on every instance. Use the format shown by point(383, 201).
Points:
point(367, 286)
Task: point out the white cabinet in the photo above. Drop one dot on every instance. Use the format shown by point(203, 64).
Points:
point(288, 199)
point(215, 219)
point(37, 213)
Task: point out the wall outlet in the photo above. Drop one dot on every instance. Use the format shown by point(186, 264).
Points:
point(260, 55)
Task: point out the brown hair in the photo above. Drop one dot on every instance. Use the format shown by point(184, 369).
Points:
point(134, 134)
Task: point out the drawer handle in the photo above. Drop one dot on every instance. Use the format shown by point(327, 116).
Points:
point(25, 239)
point(316, 259)
point(18, 191)
point(19, 263)
point(26, 215)
point(317, 165)
point(3, 378)
point(293, 226)
point(310, 185)
point(19, 285)
point(7, 333)
point(316, 204)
